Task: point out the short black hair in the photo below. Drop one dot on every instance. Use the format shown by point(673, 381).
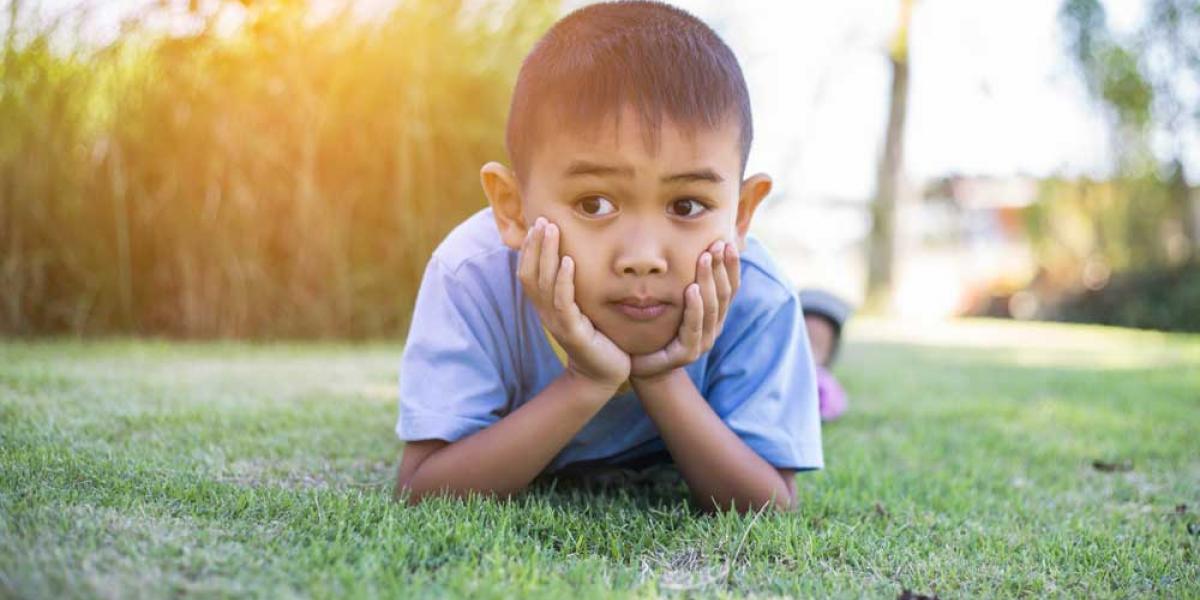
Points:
point(658, 59)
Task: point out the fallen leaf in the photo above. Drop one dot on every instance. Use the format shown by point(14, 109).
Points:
point(1112, 467)
point(906, 594)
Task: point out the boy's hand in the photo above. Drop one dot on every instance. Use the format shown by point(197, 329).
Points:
point(549, 281)
point(706, 302)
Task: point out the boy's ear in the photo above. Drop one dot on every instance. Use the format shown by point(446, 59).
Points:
point(504, 194)
point(754, 189)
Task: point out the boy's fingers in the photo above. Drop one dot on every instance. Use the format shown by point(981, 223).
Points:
point(724, 288)
point(564, 285)
point(693, 322)
point(708, 293)
point(564, 300)
point(528, 268)
point(523, 257)
point(733, 266)
point(548, 269)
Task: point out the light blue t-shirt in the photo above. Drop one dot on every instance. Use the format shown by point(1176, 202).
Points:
point(476, 351)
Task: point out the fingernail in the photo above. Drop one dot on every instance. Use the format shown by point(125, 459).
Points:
point(539, 222)
point(718, 248)
point(706, 258)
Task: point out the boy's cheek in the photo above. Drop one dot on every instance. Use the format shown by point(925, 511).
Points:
point(566, 247)
point(570, 241)
point(585, 291)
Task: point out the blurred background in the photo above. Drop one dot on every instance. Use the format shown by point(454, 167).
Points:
point(222, 168)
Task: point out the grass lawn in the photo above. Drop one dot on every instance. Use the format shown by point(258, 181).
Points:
point(978, 459)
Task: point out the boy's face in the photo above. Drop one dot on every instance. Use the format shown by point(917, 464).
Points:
point(635, 219)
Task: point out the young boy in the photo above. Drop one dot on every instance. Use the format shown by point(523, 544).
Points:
point(608, 306)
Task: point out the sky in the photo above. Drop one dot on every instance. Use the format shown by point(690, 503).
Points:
point(991, 91)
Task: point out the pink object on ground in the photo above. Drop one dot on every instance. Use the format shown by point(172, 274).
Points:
point(831, 396)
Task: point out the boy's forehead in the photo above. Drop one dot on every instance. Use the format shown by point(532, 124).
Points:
point(624, 139)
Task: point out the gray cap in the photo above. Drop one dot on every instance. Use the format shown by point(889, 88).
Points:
point(825, 304)
point(821, 302)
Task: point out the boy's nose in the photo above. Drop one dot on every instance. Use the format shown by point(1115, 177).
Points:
point(640, 261)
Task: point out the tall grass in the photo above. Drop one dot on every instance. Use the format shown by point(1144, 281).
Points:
point(288, 179)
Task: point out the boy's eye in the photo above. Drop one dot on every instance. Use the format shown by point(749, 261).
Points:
point(596, 206)
point(687, 207)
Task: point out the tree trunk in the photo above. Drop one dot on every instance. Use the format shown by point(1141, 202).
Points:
point(882, 243)
point(1181, 200)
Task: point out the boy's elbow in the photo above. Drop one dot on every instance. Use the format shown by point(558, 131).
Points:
point(749, 505)
point(403, 492)
point(410, 495)
point(784, 505)
point(787, 505)
point(785, 499)
point(414, 456)
point(407, 490)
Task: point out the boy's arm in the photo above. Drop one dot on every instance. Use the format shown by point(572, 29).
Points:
point(720, 469)
point(505, 457)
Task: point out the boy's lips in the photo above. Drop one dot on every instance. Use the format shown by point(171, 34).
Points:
point(641, 308)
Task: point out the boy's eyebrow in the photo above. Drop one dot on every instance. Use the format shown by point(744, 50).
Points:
point(581, 167)
point(704, 174)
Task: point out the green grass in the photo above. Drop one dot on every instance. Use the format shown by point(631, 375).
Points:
point(964, 468)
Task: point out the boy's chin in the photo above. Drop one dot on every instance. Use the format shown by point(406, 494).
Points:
point(642, 339)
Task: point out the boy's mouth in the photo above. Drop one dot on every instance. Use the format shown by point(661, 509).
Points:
point(640, 308)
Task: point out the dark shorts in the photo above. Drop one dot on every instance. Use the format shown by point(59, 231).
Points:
point(655, 469)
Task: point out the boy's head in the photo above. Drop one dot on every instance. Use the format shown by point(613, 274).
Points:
point(629, 129)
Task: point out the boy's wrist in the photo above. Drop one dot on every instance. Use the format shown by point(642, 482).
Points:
point(590, 388)
point(657, 380)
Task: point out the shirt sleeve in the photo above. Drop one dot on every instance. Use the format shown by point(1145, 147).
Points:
point(763, 385)
point(450, 378)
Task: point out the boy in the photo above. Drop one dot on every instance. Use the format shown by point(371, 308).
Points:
point(608, 305)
